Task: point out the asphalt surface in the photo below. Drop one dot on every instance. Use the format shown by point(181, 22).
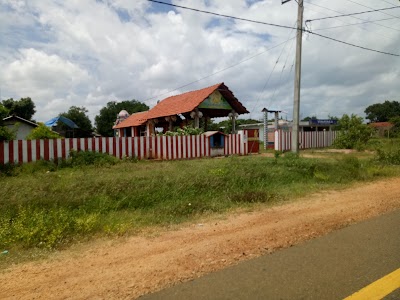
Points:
point(331, 267)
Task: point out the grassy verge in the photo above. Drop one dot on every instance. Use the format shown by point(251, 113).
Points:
point(45, 206)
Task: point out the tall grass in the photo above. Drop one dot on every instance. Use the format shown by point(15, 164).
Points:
point(42, 209)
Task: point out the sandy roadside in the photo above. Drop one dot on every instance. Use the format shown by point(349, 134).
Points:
point(127, 268)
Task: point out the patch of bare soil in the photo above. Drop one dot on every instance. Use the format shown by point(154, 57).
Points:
point(128, 268)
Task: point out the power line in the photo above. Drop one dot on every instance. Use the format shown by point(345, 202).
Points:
point(349, 44)
point(352, 24)
point(273, 69)
point(340, 20)
point(387, 2)
point(353, 14)
point(275, 25)
point(372, 8)
point(219, 71)
point(222, 15)
point(381, 25)
point(280, 75)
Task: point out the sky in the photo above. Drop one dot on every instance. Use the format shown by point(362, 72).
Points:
point(89, 52)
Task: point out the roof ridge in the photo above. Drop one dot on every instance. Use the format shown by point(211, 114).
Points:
point(194, 91)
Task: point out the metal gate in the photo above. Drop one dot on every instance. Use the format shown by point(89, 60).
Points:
point(253, 142)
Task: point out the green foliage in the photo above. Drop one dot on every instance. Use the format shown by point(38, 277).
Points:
point(23, 108)
point(186, 130)
point(353, 133)
point(226, 125)
point(76, 159)
point(7, 134)
point(4, 112)
point(395, 131)
point(310, 118)
point(108, 114)
point(79, 116)
point(84, 158)
point(42, 132)
point(52, 209)
point(390, 155)
point(31, 226)
point(383, 112)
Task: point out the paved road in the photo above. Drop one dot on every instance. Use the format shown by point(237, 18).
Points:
point(331, 267)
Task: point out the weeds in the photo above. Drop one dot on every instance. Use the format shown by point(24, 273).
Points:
point(76, 159)
point(96, 195)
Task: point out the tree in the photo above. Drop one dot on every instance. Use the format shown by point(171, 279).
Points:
point(4, 112)
point(79, 116)
point(24, 108)
point(382, 112)
point(310, 118)
point(226, 125)
point(353, 133)
point(108, 114)
point(395, 131)
point(6, 134)
point(42, 132)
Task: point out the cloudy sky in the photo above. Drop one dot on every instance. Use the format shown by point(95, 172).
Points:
point(88, 52)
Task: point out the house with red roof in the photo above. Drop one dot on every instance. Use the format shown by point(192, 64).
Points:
point(211, 102)
point(382, 128)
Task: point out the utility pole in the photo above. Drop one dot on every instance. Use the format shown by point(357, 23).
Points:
point(297, 78)
point(265, 111)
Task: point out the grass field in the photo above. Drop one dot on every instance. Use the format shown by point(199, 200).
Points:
point(44, 206)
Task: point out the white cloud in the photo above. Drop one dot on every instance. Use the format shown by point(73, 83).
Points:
point(64, 53)
point(43, 77)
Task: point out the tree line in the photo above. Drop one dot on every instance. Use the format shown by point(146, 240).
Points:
point(388, 111)
point(104, 121)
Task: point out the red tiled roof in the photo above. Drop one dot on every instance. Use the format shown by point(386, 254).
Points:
point(187, 102)
point(181, 104)
point(133, 120)
point(381, 124)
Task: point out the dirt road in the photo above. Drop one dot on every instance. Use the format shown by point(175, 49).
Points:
point(127, 268)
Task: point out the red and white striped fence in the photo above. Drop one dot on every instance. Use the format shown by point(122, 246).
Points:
point(307, 139)
point(159, 147)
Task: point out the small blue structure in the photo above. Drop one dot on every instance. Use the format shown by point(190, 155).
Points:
point(217, 142)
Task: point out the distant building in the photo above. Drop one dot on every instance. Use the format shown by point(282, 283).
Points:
point(382, 128)
point(313, 125)
point(22, 127)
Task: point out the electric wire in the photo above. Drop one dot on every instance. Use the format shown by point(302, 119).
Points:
point(353, 14)
point(273, 69)
point(385, 13)
point(217, 72)
point(277, 25)
point(344, 22)
point(280, 75)
point(352, 24)
point(380, 25)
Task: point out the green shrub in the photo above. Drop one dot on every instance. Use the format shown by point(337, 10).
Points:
point(42, 132)
point(389, 156)
point(35, 227)
point(7, 169)
point(353, 133)
point(186, 130)
point(52, 209)
point(85, 158)
point(7, 134)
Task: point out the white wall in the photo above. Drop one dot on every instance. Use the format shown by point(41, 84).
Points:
point(23, 130)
